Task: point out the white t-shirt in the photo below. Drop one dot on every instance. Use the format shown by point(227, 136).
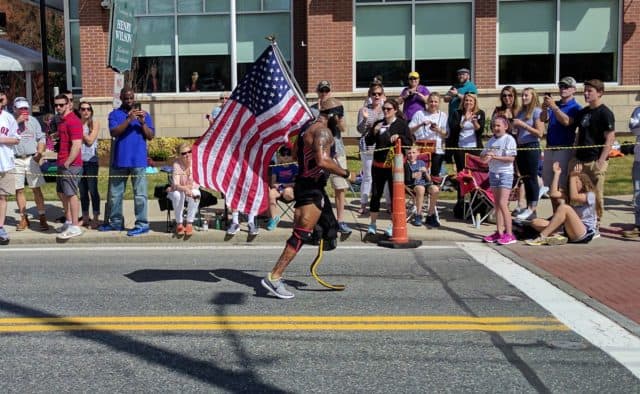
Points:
point(8, 129)
point(502, 146)
point(587, 212)
point(467, 137)
point(424, 132)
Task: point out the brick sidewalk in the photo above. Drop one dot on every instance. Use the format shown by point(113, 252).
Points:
point(607, 269)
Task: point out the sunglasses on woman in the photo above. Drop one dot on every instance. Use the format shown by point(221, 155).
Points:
point(185, 153)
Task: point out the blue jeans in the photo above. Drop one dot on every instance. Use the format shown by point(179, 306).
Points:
point(89, 188)
point(635, 177)
point(118, 187)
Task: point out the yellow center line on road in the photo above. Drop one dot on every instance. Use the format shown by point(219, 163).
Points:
point(277, 323)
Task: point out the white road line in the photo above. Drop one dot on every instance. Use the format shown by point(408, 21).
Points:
point(121, 247)
point(586, 322)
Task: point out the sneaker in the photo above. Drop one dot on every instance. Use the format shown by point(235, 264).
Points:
point(418, 221)
point(507, 239)
point(108, 227)
point(517, 211)
point(24, 223)
point(389, 231)
point(343, 228)
point(432, 221)
point(493, 238)
point(631, 233)
point(233, 229)
point(72, 231)
point(253, 229)
point(372, 229)
point(536, 242)
point(63, 228)
point(276, 287)
point(44, 226)
point(188, 229)
point(273, 223)
point(4, 237)
point(524, 214)
point(556, 239)
point(596, 234)
point(543, 193)
point(134, 232)
point(180, 229)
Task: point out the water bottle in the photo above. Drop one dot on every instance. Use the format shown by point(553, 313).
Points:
point(477, 221)
point(217, 222)
point(205, 225)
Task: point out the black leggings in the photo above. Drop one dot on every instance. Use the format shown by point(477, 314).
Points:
point(380, 177)
point(528, 162)
point(436, 163)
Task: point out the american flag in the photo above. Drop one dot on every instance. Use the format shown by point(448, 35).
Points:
point(233, 155)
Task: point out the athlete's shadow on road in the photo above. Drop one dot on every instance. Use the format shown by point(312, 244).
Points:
point(241, 277)
point(205, 371)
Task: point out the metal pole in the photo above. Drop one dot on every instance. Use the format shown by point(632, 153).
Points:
point(45, 55)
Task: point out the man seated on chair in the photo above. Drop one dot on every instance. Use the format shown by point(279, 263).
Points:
point(283, 176)
point(418, 179)
point(183, 188)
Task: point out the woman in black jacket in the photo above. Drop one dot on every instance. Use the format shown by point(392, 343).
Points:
point(466, 127)
point(384, 133)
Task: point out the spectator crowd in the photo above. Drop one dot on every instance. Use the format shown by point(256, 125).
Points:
point(570, 167)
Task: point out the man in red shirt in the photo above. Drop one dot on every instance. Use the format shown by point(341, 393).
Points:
point(69, 165)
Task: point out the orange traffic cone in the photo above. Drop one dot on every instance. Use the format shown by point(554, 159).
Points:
point(400, 239)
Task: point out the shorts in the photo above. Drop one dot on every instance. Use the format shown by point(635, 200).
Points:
point(7, 183)
point(585, 239)
point(68, 180)
point(28, 170)
point(501, 180)
point(338, 182)
point(308, 196)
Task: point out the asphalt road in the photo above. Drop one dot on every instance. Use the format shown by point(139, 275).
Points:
point(195, 319)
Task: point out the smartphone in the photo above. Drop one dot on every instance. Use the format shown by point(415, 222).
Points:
point(137, 106)
point(547, 94)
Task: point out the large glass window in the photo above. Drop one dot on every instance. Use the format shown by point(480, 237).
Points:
point(200, 59)
point(386, 46)
point(532, 49)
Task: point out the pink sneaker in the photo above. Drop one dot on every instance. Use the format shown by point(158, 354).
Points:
point(507, 239)
point(493, 238)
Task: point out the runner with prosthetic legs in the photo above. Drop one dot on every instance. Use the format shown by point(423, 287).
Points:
point(314, 219)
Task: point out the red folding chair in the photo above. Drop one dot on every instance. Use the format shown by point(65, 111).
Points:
point(479, 202)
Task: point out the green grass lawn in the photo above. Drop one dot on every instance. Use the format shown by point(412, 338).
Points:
point(618, 177)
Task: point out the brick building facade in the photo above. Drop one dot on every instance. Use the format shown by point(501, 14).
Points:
point(323, 47)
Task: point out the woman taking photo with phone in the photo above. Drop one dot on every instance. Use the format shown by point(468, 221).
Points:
point(430, 124)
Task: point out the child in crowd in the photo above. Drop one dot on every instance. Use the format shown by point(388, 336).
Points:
point(418, 178)
point(579, 219)
point(183, 187)
point(500, 153)
point(283, 174)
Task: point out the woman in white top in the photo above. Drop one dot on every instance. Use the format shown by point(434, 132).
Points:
point(184, 188)
point(89, 182)
point(431, 124)
point(367, 116)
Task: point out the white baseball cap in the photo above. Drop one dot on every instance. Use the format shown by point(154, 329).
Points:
point(21, 102)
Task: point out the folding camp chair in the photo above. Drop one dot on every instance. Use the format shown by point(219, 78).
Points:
point(410, 200)
point(429, 146)
point(479, 202)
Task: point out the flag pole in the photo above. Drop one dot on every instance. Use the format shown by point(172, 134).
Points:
point(288, 74)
